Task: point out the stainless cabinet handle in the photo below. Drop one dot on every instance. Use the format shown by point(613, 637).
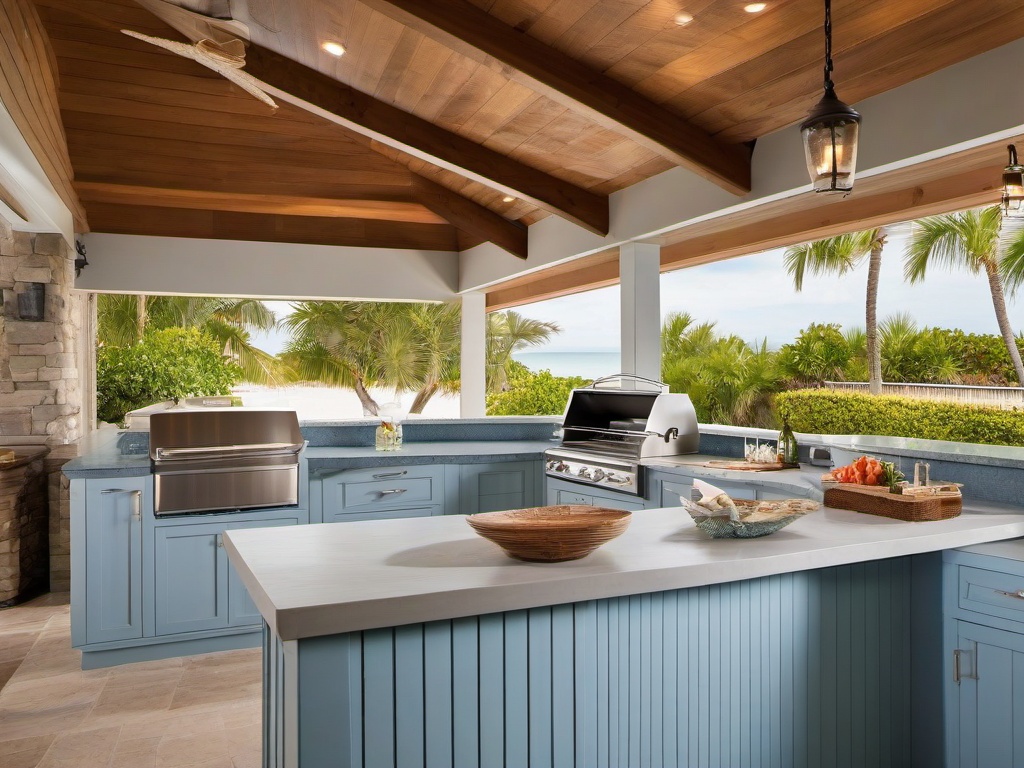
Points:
point(958, 673)
point(220, 539)
point(136, 499)
point(386, 475)
point(392, 491)
point(1019, 594)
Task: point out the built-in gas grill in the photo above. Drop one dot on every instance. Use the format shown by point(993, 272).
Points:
point(607, 432)
point(231, 459)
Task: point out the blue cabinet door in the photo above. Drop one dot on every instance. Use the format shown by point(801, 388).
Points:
point(191, 578)
point(991, 698)
point(497, 486)
point(242, 611)
point(113, 552)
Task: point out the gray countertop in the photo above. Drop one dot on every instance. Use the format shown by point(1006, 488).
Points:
point(424, 569)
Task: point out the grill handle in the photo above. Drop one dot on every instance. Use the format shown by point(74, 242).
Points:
point(223, 451)
point(659, 385)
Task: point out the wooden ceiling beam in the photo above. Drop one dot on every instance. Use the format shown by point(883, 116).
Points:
point(247, 202)
point(230, 225)
point(471, 217)
point(472, 32)
point(303, 86)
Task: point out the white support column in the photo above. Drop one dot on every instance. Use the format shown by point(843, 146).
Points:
point(640, 286)
point(473, 398)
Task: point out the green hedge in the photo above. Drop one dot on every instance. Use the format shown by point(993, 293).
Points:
point(534, 394)
point(827, 412)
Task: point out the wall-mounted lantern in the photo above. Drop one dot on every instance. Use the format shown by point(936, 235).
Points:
point(32, 302)
point(1013, 187)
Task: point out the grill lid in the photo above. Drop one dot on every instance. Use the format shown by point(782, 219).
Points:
point(232, 433)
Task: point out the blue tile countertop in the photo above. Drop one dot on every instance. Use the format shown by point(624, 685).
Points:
point(101, 455)
point(332, 459)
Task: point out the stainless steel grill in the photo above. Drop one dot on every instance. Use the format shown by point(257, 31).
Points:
point(231, 459)
point(607, 432)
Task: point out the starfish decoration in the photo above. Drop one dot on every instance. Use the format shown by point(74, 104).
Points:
point(226, 60)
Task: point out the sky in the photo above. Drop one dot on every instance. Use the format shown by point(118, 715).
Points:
point(753, 298)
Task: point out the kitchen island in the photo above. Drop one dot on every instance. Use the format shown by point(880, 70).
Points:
point(414, 642)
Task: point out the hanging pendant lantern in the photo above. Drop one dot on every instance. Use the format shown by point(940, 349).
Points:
point(1013, 187)
point(830, 132)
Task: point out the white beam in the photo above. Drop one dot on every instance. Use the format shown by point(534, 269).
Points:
point(473, 396)
point(640, 288)
point(177, 265)
point(23, 176)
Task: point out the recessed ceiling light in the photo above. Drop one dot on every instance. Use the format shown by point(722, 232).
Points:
point(508, 199)
point(755, 7)
point(682, 18)
point(333, 48)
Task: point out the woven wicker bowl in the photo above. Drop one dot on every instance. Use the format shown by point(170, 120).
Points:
point(550, 534)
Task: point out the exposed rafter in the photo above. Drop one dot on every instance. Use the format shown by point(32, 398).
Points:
point(205, 199)
point(303, 86)
point(474, 33)
point(470, 217)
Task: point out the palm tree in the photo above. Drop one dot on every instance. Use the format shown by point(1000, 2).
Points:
point(122, 320)
point(970, 240)
point(507, 333)
point(839, 256)
point(405, 346)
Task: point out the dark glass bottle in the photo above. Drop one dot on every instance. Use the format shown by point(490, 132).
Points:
point(789, 450)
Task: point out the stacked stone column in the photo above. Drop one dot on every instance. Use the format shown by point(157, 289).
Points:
point(40, 391)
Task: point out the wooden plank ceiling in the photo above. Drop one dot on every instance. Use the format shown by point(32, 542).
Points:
point(451, 122)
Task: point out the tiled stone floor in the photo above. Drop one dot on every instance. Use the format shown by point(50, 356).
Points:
point(200, 711)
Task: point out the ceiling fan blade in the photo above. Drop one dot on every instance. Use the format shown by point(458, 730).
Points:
point(225, 63)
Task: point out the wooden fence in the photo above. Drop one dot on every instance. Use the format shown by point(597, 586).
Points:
point(997, 397)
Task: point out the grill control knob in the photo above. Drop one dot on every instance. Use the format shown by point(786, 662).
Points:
point(599, 475)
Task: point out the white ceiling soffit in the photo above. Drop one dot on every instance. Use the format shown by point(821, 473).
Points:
point(198, 19)
point(32, 204)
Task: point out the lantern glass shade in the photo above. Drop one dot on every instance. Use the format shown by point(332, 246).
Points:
point(1013, 192)
point(830, 147)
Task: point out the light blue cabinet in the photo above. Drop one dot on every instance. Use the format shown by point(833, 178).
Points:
point(497, 486)
point(145, 587)
point(379, 493)
point(383, 493)
point(195, 587)
point(984, 637)
point(111, 576)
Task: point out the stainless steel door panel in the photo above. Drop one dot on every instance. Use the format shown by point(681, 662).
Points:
point(228, 489)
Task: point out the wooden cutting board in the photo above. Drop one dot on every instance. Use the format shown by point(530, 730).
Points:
point(749, 466)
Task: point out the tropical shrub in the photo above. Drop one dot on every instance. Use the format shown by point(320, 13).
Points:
point(820, 353)
point(728, 380)
point(169, 364)
point(847, 413)
point(532, 394)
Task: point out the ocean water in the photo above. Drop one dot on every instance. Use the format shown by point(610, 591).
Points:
point(590, 365)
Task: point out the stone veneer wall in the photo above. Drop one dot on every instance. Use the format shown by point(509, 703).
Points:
point(40, 391)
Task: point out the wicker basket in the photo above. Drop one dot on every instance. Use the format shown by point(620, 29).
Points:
point(878, 501)
point(550, 534)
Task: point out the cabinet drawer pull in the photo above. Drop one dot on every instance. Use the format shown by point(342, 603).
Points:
point(1019, 594)
point(392, 491)
point(220, 539)
point(386, 475)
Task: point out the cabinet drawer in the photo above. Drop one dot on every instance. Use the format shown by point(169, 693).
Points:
point(362, 490)
point(993, 593)
point(571, 497)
